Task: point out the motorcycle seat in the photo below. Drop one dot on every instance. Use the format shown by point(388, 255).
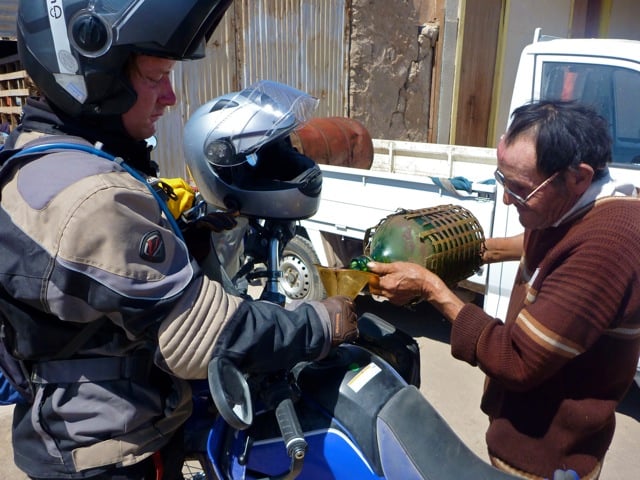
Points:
point(415, 442)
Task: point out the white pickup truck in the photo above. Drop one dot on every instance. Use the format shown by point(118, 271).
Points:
point(601, 72)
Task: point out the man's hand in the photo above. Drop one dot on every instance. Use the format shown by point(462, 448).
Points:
point(197, 233)
point(400, 282)
point(404, 282)
point(343, 318)
point(503, 249)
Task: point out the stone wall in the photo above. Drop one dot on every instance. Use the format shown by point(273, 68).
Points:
point(390, 68)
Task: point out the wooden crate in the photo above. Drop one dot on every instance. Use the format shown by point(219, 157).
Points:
point(15, 87)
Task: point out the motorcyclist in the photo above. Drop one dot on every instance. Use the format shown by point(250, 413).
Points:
point(85, 247)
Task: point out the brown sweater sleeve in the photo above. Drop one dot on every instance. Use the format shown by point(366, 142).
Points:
point(466, 332)
point(581, 287)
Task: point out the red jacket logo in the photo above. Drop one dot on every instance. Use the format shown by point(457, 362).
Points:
point(152, 247)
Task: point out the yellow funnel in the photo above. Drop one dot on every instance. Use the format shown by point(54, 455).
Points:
point(344, 281)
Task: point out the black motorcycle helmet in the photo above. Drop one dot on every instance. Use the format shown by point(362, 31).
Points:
point(76, 51)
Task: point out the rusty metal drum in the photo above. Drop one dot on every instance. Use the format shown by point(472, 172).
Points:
point(337, 141)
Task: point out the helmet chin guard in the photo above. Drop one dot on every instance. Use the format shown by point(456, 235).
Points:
point(238, 152)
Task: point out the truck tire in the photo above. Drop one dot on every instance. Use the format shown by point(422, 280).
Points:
point(300, 279)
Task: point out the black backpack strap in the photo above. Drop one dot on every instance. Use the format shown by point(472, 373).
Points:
point(41, 146)
point(5, 156)
point(80, 339)
point(16, 370)
point(135, 367)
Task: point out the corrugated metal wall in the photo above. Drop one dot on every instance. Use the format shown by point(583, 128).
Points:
point(302, 43)
point(8, 10)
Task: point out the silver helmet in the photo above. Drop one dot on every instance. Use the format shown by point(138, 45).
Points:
point(239, 155)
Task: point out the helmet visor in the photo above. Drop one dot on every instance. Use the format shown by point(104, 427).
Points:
point(253, 117)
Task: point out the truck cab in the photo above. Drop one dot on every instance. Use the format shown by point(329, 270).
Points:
point(604, 73)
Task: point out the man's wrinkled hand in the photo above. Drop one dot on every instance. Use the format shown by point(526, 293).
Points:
point(400, 282)
point(343, 318)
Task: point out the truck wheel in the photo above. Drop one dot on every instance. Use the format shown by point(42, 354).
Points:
point(300, 279)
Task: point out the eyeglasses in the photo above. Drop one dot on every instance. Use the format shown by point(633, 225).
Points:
point(521, 200)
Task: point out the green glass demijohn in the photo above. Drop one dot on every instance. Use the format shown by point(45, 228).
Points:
point(401, 239)
point(447, 239)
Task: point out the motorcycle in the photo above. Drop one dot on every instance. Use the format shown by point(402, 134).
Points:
point(358, 413)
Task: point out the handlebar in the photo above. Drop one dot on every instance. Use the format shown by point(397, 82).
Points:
point(291, 430)
point(229, 388)
point(278, 394)
point(232, 397)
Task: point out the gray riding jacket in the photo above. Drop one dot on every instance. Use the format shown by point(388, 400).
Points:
point(83, 241)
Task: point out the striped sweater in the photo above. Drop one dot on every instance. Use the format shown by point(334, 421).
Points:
point(568, 349)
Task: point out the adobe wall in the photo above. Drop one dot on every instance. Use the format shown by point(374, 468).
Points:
point(391, 60)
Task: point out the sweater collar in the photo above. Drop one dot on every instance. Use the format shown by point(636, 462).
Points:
point(603, 187)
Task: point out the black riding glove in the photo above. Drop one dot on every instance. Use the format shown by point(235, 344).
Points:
point(197, 234)
point(217, 221)
point(263, 337)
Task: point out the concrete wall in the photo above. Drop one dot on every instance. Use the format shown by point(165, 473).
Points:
point(623, 20)
point(521, 19)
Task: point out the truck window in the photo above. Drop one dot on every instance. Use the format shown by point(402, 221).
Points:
point(612, 91)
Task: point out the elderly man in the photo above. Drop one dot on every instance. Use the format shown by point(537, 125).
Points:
point(568, 349)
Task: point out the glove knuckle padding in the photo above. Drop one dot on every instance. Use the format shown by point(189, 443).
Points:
point(343, 319)
point(187, 336)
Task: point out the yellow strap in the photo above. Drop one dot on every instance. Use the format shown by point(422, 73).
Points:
point(181, 197)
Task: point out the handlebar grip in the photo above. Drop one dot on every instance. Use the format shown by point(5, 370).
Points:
point(290, 429)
